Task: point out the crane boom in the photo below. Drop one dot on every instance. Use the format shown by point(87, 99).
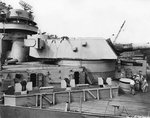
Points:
point(119, 31)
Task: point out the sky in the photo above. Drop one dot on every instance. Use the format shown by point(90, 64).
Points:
point(93, 18)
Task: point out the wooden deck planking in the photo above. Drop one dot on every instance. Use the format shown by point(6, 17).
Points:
point(128, 105)
point(87, 107)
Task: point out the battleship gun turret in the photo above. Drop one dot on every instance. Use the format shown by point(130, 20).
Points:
point(94, 54)
point(133, 57)
point(119, 47)
point(131, 47)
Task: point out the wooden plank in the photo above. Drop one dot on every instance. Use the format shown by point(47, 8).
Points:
point(25, 112)
point(98, 97)
point(111, 96)
point(41, 101)
point(36, 100)
point(47, 99)
point(54, 98)
point(80, 103)
point(64, 96)
point(84, 97)
point(91, 94)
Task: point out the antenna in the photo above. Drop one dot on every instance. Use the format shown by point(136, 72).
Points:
point(119, 31)
point(25, 5)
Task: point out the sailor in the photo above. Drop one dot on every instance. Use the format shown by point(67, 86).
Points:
point(139, 79)
point(135, 77)
point(137, 83)
point(140, 76)
point(144, 85)
point(132, 86)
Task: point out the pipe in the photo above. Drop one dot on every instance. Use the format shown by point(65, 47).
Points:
point(1, 38)
point(0, 53)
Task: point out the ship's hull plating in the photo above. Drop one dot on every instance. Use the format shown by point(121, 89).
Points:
point(26, 112)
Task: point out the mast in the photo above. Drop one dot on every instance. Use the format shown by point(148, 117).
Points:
point(1, 53)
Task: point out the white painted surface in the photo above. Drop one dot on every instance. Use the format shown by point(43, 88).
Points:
point(96, 49)
point(100, 81)
point(10, 101)
point(109, 81)
point(72, 83)
point(63, 84)
point(29, 86)
point(18, 50)
point(18, 87)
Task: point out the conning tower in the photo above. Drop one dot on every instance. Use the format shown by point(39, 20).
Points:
point(15, 25)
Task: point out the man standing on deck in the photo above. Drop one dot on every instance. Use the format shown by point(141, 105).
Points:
point(140, 78)
point(141, 75)
point(132, 86)
point(144, 85)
